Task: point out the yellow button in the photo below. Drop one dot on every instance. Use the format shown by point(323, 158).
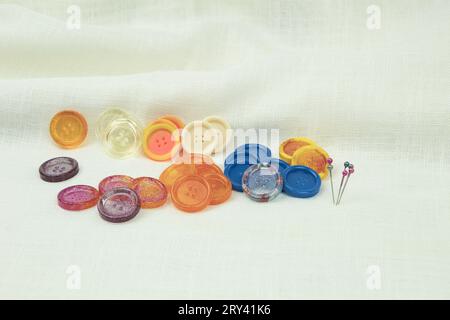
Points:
point(105, 119)
point(289, 146)
point(161, 140)
point(313, 157)
point(68, 128)
point(122, 137)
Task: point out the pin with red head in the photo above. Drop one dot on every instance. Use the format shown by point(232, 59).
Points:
point(330, 169)
point(351, 170)
point(344, 174)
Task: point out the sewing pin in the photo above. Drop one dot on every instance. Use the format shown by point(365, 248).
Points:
point(351, 170)
point(344, 174)
point(330, 168)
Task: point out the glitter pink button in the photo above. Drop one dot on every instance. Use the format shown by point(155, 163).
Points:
point(78, 197)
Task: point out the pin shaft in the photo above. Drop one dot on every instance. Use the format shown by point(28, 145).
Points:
point(343, 189)
point(331, 181)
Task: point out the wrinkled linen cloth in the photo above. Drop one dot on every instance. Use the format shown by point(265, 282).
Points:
point(367, 80)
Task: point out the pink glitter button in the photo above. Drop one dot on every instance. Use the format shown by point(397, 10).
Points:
point(119, 205)
point(112, 182)
point(78, 197)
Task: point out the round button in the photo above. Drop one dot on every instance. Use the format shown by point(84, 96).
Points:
point(279, 164)
point(78, 197)
point(68, 128)
point(260, 150)
point(289, 146)
point(242, 157)
point(161, 141)
point(199, 137)
point(119, 205)
point(152, 192)
point(192, 158)
point(122, 138)
point(220, 188)
point(234, 173)
point(250, 153)
point(262, 182)
point(223, 131)
point(58, 169)
point(313, 157)
point(175, 120)
point(191, 193)
point(207, 169)
point(116, 181)
point(301, 182)
point(175, 171)
point(106, 117)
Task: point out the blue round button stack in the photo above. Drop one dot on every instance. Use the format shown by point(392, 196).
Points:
point(301, 182)
point(242, 158)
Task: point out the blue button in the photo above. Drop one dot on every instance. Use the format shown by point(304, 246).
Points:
point(250, 153)
point(255, 148)
point(262, 182)
point(234, 173)
point(280, 164)
point(241, 158)
point(301, 182)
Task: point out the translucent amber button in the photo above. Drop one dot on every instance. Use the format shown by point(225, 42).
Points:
point(68, 128)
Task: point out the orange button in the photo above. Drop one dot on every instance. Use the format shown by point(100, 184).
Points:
point(207, 169)
point(175, 171)
point(68, 128)
point(191, 193)
point(192, 158)
point(313, 157)
point(174, 119)
point(220, 188)
point(152, 192)
point(161, 141)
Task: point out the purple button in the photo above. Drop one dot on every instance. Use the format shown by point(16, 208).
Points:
point(58, 169)
point(119, 205)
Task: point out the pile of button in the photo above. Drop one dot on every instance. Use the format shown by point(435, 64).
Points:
point(194, 182)
point(118, 198)
point(302, 151)
point(252, 170)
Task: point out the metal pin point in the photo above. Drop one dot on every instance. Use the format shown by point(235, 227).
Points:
point(351, 170)
point(330, 168)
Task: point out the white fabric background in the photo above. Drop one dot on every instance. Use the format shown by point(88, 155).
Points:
point(379, 98)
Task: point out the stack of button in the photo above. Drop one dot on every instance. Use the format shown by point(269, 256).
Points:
point(252, 170)
point(305, 152)
point(208, 136)
point(119, 132)
point(245, 156)
point(195, 182)
point(162, 138)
